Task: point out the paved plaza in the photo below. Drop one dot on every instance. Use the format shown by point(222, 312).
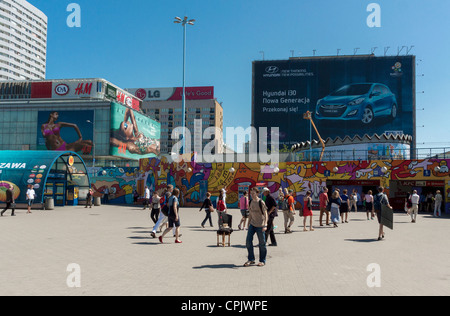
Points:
point(116, 255)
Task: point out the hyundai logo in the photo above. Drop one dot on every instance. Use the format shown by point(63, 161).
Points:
point(272, 69)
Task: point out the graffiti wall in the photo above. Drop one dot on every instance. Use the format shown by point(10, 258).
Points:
point(189, 177)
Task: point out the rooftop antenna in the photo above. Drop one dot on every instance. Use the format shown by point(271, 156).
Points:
point(261, 52)
point(355, 50)
point(372, 50)
point(386, 50)
point(409, 49)
point(292, 53)
point(399, 50)
point(314, 52)
point(338, 51)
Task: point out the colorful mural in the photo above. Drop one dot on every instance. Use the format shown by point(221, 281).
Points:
point(298, 176)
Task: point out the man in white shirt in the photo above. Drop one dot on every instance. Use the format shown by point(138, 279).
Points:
point(353, 201)
point(147, 198)
point(31, 194)
point(415, 199)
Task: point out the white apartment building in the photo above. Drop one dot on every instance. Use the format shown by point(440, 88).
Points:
point(23, 41)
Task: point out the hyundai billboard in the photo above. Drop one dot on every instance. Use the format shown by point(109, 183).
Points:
point(347, 96)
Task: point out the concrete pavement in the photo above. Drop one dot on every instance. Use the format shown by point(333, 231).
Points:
point(115, 255)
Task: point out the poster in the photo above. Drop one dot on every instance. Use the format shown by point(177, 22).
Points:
point(133, 135)
point(66, 131)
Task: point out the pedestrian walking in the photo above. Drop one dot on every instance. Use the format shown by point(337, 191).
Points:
point(307, 211)
point(156, 207)
point(353, 201)
point(174, 217)
point(10, 201)
point(258, 225)
point(323, 200)
point(89, 197)
point(272, 212)
point(429, 201)
point(162, 219)
point(415, 200)
point(335, 204)
point(31, 195)
point(378, 201)
point(368, 201)
point(106, 195)
point(344, 206)
point(243, 206)
point(408, 204)
point(437, 204)
point(135, 197)
point(209, 209)
point(289, 214)
point(146, 198)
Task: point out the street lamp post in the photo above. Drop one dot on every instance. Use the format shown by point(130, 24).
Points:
point(93, 149)
point(183, 22)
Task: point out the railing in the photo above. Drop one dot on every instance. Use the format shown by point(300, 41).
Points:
point(386, 153)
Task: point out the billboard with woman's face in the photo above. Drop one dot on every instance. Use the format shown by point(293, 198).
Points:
point(66, 131)
point(133, 135)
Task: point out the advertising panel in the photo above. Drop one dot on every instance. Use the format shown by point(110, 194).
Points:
point(133, 135)
point(347, 96)
point(173, 94)
point(66, 131)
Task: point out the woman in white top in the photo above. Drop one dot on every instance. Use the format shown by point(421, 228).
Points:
point(369, 204)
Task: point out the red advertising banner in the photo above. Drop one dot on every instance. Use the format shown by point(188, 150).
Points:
point(193, 93)
point(41, 90)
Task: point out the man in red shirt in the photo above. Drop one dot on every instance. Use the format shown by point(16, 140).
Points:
point(323, 206)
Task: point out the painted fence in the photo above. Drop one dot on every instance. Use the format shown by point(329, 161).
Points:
point(189, 177)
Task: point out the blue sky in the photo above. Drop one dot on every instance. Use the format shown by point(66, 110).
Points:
point(135, 43)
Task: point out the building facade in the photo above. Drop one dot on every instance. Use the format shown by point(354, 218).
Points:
point(91, 117)
point(23, 41)
point(204, 116)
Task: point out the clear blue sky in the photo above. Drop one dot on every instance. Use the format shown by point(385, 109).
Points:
point(135, 43)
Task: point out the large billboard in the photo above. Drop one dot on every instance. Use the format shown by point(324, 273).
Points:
point(347, 96)
point(133, 135)
point(66, 131)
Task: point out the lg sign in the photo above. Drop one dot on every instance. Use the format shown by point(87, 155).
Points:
point(62, 89)
point(141, 94)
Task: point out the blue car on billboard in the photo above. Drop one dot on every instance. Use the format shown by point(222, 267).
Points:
point(361, 102)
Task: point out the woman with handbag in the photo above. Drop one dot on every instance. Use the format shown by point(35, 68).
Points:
point(208, 207)
point(307, 211)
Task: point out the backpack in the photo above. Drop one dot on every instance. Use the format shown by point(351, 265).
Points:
point(378, 200)
point(164, 206)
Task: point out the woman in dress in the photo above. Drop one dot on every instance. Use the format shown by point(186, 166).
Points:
point(307, 211)
point(335, 203)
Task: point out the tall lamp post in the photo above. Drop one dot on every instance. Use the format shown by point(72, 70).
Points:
point(93, 149)
point(183, 23)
